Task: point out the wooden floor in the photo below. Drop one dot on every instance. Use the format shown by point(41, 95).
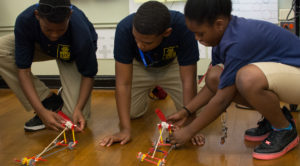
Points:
point(15, 143)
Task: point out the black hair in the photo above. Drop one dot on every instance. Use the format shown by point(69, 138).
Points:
point(207, 11)
point(152, 18)
point(55, 11)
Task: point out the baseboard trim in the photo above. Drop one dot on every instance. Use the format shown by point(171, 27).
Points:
point(53, 81)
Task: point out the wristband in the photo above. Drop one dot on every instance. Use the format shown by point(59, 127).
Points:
point(187, 110)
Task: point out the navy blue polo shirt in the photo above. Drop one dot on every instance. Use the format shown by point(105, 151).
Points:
point(181, 44)
point(78, 44)
point(248, 41)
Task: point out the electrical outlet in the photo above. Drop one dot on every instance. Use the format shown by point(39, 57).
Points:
point(288, 25)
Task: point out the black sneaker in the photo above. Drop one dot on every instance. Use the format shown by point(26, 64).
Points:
point(259, 133)
point(264, 128)
point(277, 144)
point(34, 124)
point(54, 103)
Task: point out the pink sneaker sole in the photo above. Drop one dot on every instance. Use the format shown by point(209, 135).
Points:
point(271, 156)
point(256, 138)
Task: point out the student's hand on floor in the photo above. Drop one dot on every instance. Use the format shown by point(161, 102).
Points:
point(123, 137)
point(180, 136)
point(52, 120)
point(178, 119)
point(78, 120)
point(198, 140)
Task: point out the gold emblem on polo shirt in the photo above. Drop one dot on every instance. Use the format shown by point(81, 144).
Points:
point(63, 52)
point(169, 53)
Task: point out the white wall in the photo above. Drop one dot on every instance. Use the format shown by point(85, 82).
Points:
point(9, 10)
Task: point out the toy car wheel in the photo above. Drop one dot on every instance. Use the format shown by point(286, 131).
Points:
point(168, 140)
point(31, 162)
point(139, 156)
point(159, 163)
point(70, 145)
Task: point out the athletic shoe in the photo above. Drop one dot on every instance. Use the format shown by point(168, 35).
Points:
point(277, 144)
point(264, 128)
point(53, 103)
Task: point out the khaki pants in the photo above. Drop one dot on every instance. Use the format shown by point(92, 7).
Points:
point(69, 76)
point(283, 79)
point(144, 80)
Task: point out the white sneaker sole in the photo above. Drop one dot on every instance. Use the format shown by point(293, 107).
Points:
point(34, 128)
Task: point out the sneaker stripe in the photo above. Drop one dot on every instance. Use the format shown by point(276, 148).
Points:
point(34, 128)
point(256, 138)
point(270, 156)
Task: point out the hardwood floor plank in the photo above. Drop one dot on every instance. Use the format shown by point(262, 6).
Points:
point(15, 143)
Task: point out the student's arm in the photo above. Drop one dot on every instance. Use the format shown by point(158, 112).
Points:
point(123, 94)
point(189, 89)
point(49, 118)
point(86, 87)
point(123, 99)
point(189, 84)
point(215, 107)
point(200, 100)
point(182, 118)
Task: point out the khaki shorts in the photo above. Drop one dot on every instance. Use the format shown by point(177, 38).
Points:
point(283, 79)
